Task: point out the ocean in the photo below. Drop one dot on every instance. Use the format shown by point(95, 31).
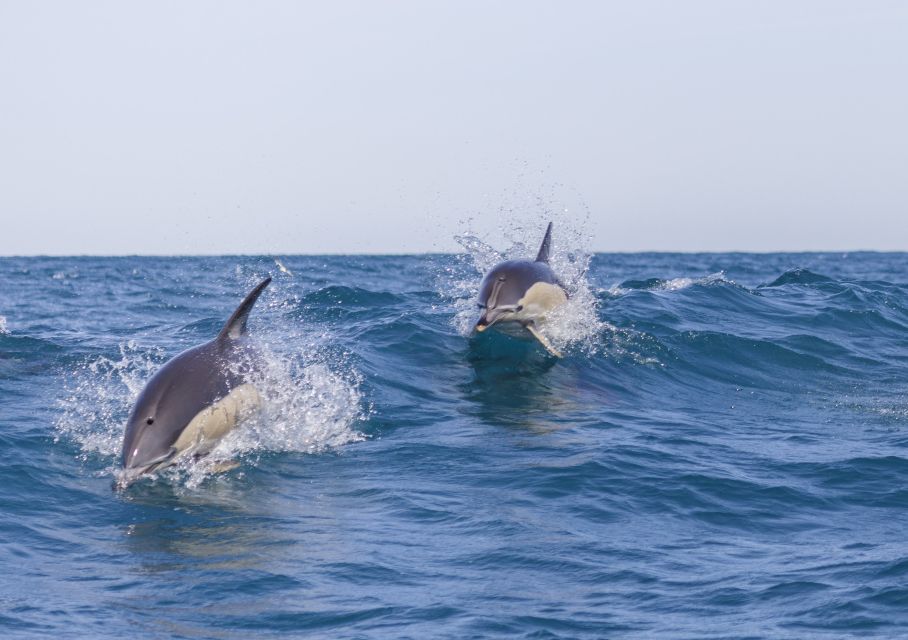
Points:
point(722, 452)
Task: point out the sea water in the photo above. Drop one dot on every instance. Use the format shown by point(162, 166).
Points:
point(721, 452)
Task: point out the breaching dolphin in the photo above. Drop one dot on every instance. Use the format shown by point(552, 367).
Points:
point(520, 293)
point(195, 399)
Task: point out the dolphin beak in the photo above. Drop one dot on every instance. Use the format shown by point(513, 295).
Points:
point(130, 474)
point(487, 319)
point(126, 477)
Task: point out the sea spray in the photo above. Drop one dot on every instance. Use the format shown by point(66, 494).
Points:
point(573, 326)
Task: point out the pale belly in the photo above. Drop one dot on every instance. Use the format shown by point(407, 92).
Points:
point(216, 421)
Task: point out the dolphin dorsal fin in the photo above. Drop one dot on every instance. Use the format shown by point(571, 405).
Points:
point(543, 255)
point(236, 325)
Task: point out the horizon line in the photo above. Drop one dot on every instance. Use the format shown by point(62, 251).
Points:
point(431, 253)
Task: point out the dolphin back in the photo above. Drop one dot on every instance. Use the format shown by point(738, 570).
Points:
point(236, 324)
point(543, 255)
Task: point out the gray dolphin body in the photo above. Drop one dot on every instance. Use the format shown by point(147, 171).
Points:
point(519, 293)
point(194, 399)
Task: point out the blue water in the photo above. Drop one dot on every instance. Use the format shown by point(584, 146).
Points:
point(722, 452)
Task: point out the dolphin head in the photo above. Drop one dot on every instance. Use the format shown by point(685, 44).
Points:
point(150, 434)
point(155, 422)
point(502, 291)
point(145, 450)
point(183, 387)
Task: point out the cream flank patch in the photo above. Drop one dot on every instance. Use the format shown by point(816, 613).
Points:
point(214, 422)
point(539, 299)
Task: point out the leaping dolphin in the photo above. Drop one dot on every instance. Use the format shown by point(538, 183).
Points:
point(520, 293)
point(194, 400)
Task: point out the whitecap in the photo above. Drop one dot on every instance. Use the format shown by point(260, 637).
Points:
point(678, 284)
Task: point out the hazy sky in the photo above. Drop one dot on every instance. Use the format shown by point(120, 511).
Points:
point(308, 127)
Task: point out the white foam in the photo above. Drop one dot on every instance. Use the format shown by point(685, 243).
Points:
point(3, 329)
point(65, 275)
point(677, 284)
point(308, 407)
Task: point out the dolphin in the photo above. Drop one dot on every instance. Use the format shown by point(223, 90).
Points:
point(194, 400)
point(519, 293)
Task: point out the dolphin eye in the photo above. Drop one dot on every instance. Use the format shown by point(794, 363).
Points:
point(149, 421)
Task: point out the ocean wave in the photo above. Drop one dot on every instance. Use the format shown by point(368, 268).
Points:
point(802, 277)
point(722, 454)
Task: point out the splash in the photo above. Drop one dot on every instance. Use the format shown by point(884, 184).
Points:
point(3, 329)
point(98, 396)
point(284, 269)
point(574, 325)
point(65, 275)
point(309, 405)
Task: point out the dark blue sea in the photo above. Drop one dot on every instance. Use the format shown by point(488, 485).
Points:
point(722, 452)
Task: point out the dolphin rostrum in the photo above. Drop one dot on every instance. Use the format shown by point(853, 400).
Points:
point(520, 293)
point(195, 399)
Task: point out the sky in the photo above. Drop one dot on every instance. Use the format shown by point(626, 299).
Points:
point(272, 127)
